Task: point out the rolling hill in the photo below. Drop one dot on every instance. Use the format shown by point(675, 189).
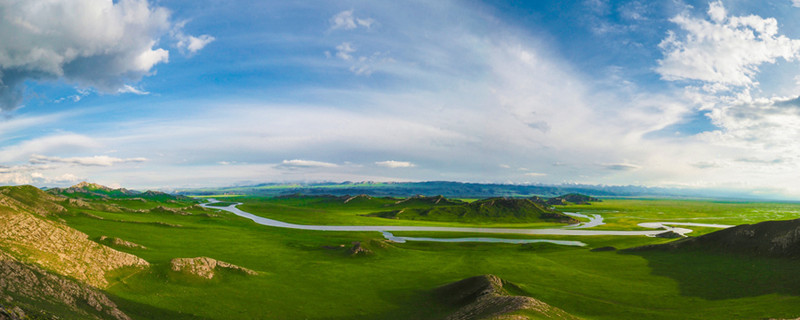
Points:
point(485, 210)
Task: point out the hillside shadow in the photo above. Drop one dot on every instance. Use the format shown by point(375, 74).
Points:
point(717, 276)
point(418, 304)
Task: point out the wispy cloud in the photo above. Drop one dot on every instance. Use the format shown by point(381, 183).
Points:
point(300, 164)
point(620, 166)
point(47, 144)
point(345, 20)
point(103, 161)
point(129, 89)
point(395, 164)
point(344, 51)
point(535, 174)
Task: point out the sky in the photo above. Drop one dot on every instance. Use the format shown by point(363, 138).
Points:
point(174, 94)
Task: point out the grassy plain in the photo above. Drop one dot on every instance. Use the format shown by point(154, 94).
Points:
point(625, 214)
point(299, 278)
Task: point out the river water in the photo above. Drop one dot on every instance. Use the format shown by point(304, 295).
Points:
point(572, 230)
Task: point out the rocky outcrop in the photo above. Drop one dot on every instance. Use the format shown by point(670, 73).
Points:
point(358, 250)
point(59, 248)
point(205, 267)
point(27, 284)
point(13, 313)
point(90, 186)
point(121, 243)
point(485, 297)
point(168, 210)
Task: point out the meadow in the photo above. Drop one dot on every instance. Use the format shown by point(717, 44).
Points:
point(311, 275)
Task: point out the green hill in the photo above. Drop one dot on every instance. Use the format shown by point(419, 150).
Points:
point(774, 239)
point(423, 201)
point(486, 210)
point(570, 198)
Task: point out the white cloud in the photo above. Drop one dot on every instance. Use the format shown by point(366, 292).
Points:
point(103, 161)
point(395, 164)
point(298, 163)
point(100, 44)
point(726, 50)
point(346, 21)
point(189, 42)
point(716, 11)
point(796, 3)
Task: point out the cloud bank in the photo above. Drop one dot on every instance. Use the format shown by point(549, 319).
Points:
point(98, 44)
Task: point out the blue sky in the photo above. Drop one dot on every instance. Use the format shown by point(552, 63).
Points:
point(167, 94)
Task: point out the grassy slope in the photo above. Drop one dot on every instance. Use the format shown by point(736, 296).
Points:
point(299, 279)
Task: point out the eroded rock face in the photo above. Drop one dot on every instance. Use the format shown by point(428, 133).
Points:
point(204, 267)
point(484, 297)
point(33, 283)
point(59, 248)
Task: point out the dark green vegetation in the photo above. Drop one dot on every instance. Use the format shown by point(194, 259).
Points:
point(316, 275)
point(571, 198)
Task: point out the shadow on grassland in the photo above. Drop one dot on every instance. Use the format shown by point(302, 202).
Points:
point(717, 276)
point(137, 310)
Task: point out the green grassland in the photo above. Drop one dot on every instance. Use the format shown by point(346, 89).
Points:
point(625, 214)
point(305, 275)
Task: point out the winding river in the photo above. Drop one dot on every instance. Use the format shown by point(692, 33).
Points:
point(571, 230)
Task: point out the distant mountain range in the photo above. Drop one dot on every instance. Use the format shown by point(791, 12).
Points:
point(470, 190)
